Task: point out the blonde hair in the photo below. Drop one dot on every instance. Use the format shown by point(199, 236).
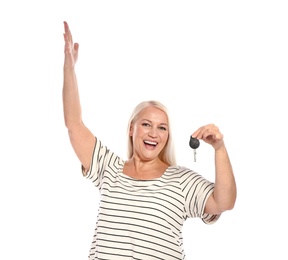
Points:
point(167, 155)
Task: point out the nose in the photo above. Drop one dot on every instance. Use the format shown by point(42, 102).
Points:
point(153, 132)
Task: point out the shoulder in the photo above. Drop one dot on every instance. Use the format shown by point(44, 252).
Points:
point(103, 154)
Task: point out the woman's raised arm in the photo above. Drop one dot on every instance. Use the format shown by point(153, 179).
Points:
point(81, 137)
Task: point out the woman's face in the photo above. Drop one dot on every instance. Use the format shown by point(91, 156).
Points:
point(149, 133)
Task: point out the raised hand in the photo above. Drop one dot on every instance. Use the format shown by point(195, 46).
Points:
point(70, 49)
point(210, 134)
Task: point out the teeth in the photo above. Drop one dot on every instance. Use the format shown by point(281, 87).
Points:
point(149, 142)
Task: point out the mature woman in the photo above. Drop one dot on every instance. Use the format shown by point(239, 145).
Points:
point(144, 199)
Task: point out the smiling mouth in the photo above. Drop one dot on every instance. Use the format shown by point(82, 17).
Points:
point(150, 143)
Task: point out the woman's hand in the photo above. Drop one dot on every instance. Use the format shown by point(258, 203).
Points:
point(210, 134)
point(70, 49)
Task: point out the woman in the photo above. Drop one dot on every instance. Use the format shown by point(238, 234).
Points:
point(145, 199)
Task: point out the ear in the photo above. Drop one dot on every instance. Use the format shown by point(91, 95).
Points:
point(131, 130)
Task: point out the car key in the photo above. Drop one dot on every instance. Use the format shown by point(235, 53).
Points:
point(194, 144)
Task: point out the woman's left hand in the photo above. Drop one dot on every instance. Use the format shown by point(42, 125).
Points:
point(210, 134)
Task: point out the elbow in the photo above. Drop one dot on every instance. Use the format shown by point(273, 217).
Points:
point(223, 208)
point(72, 124)
point(226, 201)
point(218, 205)
point(228, 205)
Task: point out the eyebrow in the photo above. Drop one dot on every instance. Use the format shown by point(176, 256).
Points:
point(151, 122)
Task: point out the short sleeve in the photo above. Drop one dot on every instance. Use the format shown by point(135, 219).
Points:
point(99, 160)
point(196, 191)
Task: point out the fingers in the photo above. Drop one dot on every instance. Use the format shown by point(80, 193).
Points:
point(67, 33)
point(66, 28)
point(70, 47)
point(76, 47)
point(211, 135)
point(208, 133)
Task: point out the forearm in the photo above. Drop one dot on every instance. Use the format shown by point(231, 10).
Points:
point(225, 185)
point(71, 100)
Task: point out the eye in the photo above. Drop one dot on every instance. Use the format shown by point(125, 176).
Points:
point(162, 128)
point(146, 124)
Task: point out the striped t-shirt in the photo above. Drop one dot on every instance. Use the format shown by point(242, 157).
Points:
point(142, 219)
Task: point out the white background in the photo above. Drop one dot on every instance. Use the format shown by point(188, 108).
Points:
point(222, 62)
